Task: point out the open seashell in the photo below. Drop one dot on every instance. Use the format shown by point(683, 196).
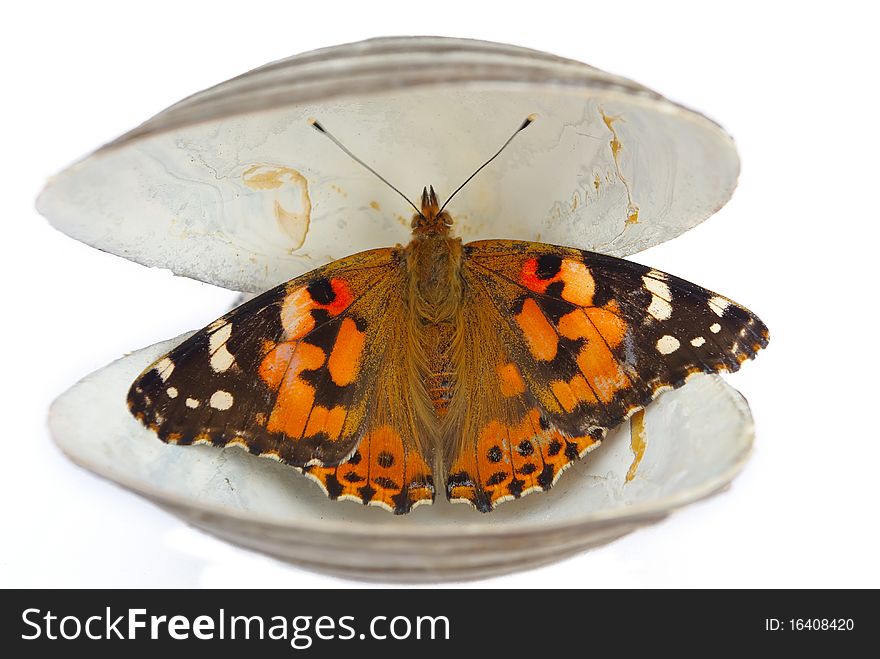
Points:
point(232, 186)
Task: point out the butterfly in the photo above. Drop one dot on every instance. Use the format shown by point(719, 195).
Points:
point(493, 364)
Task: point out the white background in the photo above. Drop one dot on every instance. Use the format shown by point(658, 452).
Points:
point(795, 83)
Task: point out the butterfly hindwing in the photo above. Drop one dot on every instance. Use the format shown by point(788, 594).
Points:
point(292, 375)
point(586, 339)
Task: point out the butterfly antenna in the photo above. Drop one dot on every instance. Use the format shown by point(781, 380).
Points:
point(525, 124)
point(318, 127)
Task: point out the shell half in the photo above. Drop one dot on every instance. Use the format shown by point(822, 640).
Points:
point(232, 186)
point(697, 439)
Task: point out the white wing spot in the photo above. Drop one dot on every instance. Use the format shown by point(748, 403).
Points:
point(719, 305)
point(164, 367)
point(220, 335)
point(659, 288)
point(667, 345)
point(221, 358)
point(192, 403)
point(660, 308)
point(221, 400)
point(715, 328)
point(172, 392)
point(698, 341)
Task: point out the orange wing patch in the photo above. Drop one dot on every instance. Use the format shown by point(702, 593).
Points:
point(537, 330)
point(345, 360)
point(578, 283)
point(295, 310)
point(281, 369)
point(511, 380)
point(601, 373)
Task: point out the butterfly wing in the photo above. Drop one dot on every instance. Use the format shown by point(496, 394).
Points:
point(585, 340)
point(295, 375)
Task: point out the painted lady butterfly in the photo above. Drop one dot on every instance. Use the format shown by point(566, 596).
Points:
point(497, 363)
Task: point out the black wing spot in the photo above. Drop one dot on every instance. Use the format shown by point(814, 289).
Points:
point(320, 316)
point(325, 333)
point(386, 483)
point(525, 448)
point(496, 478)
point(554, 448)
point(517, 306)
point(554, 306)
point(367, 493)
point(334, 487)
point(545, 480)
point(494, 454)
point(402, 503)
point(548, 266)
point(385, 459)
point(482, 501)
point(321, 291)
point(516, 487)
point(555, 289)
point(603, 293)
point(460, 479)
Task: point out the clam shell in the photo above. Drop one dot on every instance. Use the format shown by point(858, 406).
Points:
point(233, 187)
point(698, 438)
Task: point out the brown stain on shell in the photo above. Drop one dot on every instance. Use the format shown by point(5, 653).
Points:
point(632, 209)
point(287, 182)
point(638, 442)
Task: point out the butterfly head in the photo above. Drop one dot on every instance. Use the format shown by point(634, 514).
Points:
point(432, 219)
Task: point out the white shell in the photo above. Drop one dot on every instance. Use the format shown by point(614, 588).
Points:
point(698, 438)
point(233, 187)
